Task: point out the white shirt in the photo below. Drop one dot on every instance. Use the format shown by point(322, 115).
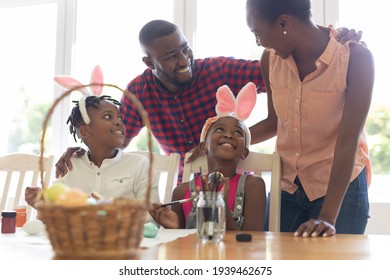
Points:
point(125, 175)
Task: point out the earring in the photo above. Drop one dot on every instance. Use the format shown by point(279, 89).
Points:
point(243, 157)
point(284, 32)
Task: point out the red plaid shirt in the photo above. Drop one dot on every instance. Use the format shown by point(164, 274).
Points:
point(177, 119)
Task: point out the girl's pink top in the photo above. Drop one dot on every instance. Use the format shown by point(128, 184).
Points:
point(187, 206)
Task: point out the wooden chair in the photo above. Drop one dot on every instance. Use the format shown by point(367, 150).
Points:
point(258, 163)
point(165, 164)
point(23, 168)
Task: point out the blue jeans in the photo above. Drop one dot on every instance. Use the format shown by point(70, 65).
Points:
point(353, 216)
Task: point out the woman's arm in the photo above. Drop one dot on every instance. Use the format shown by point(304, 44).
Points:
point(266, 128)
point(360, 80)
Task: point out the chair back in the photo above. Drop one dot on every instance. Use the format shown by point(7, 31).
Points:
point(258, 163)
point(165, 164)
point(19, 171)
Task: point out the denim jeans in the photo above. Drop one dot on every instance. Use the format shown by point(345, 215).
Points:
point(353, 216)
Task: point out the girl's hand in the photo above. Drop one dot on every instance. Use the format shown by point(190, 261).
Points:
point(165, 216)
point(315, 228)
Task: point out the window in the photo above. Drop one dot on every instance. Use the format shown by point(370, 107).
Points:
point(221, 30)
point(27, 55)
point(108, 36)
point(351, 13)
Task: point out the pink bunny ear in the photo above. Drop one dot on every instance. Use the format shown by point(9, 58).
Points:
point(69, 82)
point(97, 78)
point(246, 100)
point(225, 101)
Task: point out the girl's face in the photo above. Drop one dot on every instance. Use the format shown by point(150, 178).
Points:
point(106, 128)
point(226, 139)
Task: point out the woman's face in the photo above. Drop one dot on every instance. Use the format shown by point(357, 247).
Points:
point(269, 36)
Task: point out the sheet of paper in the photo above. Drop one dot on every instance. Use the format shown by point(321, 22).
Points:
point(164, 236)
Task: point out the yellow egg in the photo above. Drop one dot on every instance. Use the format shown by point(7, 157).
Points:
point(55, 191)
point(73, 197)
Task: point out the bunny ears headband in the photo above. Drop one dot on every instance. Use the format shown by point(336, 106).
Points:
point(239, 108)
point(68, 82)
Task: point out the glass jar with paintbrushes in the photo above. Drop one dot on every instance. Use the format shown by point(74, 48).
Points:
point(211, 212)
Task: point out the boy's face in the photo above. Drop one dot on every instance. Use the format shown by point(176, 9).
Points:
point(106, 129)
point(226, 139)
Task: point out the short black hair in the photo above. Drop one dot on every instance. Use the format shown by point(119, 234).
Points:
point(270, 10)
point(75, 119)
point(155, 29)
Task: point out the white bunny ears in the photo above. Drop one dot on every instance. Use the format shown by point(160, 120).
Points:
point(239, 108)
point(68, 82)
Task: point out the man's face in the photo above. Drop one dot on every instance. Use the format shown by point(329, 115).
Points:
point(171, 61)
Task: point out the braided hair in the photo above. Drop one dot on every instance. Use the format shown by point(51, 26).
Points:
point(75, 119)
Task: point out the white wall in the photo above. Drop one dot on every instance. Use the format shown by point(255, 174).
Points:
point(379, 221)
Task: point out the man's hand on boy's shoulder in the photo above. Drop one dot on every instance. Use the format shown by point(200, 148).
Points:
point(64, 164)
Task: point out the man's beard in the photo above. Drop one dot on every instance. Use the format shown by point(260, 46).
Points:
point(162, 75)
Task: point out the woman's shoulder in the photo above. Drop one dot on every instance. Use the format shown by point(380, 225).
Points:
point(358, 50)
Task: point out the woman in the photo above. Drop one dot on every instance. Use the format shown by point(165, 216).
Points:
point(319, 94)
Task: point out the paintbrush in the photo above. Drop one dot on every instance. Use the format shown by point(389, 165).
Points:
point(177, 202)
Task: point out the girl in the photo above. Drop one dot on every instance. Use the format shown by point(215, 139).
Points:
point(224, 140)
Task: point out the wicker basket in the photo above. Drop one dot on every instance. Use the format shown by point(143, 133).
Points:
point(106, 231)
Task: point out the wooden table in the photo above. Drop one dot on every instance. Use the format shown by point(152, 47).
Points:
point(264, 246)
point(274, 246)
